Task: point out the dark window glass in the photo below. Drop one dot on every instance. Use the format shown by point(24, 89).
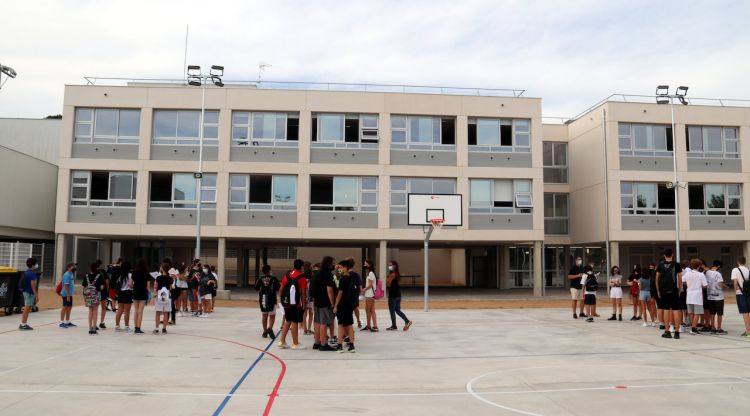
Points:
point(506, 135)
point(666, 196)
point(448, 130)
point(292, 128)
point(351, 130)
point(472, 134)
point(695, 196)
point(100, 185)
point(670, 143)
point(161, 186)
point(260, 189)
point(315, 129)
point(321, 190)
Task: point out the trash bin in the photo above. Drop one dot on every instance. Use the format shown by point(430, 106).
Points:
point(10, 296)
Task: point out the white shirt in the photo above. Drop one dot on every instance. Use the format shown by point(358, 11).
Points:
point(696, 281)
point(714, 279)
point(736, 276)
point(370, 293)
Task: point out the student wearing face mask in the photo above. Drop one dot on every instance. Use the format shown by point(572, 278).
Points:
point(66, 293)
point(575, 274)
point(615, 293)
point(205, 291)
point(394, 297)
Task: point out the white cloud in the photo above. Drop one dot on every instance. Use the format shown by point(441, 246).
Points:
point(570, 53)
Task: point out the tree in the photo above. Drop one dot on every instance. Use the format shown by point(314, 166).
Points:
point(54, 117)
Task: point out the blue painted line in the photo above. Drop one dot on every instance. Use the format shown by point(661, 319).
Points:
point(244, 376)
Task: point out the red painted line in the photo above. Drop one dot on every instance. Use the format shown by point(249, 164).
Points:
point(621, 387)
point(275, 392)
point(18, 330)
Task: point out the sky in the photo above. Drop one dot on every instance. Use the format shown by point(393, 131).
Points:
point(570, 53)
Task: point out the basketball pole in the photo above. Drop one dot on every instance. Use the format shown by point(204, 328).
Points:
point(427, 233)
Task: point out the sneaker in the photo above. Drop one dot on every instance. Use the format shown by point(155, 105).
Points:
point(340, 348)
point(638, 318)
point(706, 329)
point(666, 334)
point(391, 328)
point(155, 332)
point(676, 335)
point(298, 347)
point(92, 332)
point(326, 347)
point(271, 334)
point(102, 326)
point(645, 324)
point(720, 332)
point(582, 315)
point(316, 346)
point(138, 331)
point(408, 324)
point(25, 327)
point(575, 316)
point(619, 318)
point(62, 325)
point(693, 331)
point(351, 348)
point(661, 327)
point(346, 339)
point(671, 328)
point(590, 320)
point(118, 329)
point(633, 319)
point(127, 330)
point(164, 331)
point(283, 345)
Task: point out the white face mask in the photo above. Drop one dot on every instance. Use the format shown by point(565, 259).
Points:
point(390, 268)
point(578, 262)
point(36, 266)
point(205, 271)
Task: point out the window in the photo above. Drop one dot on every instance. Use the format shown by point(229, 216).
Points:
point(645, 139)
point(555, 159)
point(343, 193)
point(555, 214)
point(423, 132)
point(520, 265)
point(183, 127)
point(712, 142)
point(637, 198)
point(103, 189)
point(180, 190)
point(106, 125)
point(265, 129)
point(499, 135)
point(263, 192)
point(715, 199)
point(494, 196)
point(401, 187)
point(345, 130)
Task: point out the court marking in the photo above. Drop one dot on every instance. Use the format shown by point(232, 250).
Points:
point(10, 370)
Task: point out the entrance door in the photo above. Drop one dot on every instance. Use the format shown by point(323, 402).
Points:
point(479, 271)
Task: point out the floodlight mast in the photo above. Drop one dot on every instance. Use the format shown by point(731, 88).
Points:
point(9, 73)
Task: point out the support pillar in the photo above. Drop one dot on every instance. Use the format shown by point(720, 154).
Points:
point(538, 279)
point(221, 262)
point(383, 262)
point(61, 256)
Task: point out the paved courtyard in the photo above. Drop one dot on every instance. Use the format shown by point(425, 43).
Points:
point(472, 362)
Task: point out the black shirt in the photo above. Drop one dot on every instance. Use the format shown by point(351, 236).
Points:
point(98, 280)
point(163, 281)
point(576, 283)
point(271, 281)
point(394, 290)
point(323, 280)
point(664, 268)
point(140, 282)
point(347, 292)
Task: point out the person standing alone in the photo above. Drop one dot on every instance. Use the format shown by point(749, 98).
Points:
point(29, 285)
point(293, 296)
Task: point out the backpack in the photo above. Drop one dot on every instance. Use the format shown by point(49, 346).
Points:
point(290, 293)
point(591, 283)
point(745, 284)
point(58, 289)
point(90, 292)
point(667, 282)
point(379, 292)
point(163, 295)
point(267, 298)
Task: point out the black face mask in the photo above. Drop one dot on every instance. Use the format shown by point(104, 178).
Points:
point(73, 269)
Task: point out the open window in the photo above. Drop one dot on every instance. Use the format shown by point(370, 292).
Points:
point(344, 130)
point(401, 187)
point(180, 190)
point(107, 125)
point(265, 129)
point(422, 132)
point(103, 189)
point(262, 192)
point(715, 199)
point(500, 196)
point(343, 193)
point(182, 127)
point(499, 135)
point(643, 198)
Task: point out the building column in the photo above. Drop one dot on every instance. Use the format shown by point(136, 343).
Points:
point(745, 251)
point(538, 279)
point(383, 261)
point(61, 255)
point(614, 255)
point(220, 262)
point(504, 265)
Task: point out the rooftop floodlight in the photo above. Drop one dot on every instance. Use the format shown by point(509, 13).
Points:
point(662, 90)
point(10, 72)
point(194, 81)
point(217, 70)
point(217, 81)
point(681, 93)
point(194, 70)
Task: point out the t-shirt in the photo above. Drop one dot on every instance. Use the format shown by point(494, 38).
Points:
point(68, 282)
point(357, 281)
point(582, 283)
point(29, 277)
point(271, 281)
point(323, 280)
point(645, 283)
point(370, 281)
point(736, 275)
point(205, 288)
point(301, 284)
point(394, 290)
point(695, 281)
point(575, 283)
point(664, 267)
point(140, 282)
point(163, 281)
point(615, 280)
point(125, 282)
point(714, 279)
point(346, 288)
point(97, 280)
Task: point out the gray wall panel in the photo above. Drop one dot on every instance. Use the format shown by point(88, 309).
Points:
point(423, 158)
point(173, 216)
point(648, 222)
point(343, 219)
point(105, 151)
point(264, 154)
point(645, 163)
point(512, 160)
point(109, 215)
point(175, 152)
point(501, 221)
point(355, 156)
point(399, 220)
point(263, 218)
point(717, 222)
point(714, 165)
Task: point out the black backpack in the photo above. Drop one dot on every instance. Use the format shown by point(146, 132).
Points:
point(286, 298)
point(267, 298)
point(591, 283)
point(744, 284)
point(354, 288)
point(667, 281)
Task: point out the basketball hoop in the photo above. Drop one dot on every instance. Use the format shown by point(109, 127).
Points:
point(437, 223)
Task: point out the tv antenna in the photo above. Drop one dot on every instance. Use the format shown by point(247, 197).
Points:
point(262, 67)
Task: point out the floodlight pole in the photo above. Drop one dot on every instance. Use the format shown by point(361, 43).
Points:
point(427, 233)
point(200, 171)
point(676, 184)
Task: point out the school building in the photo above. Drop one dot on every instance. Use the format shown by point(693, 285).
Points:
point(305, 170)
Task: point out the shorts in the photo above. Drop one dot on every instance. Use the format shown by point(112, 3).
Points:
point(345, 317)
point(207, 296)
point(103, 296)
point(272, 312)
point(112, 294)
point(141, 296)
point(696, 309)
point(163, 305)
point(615, 293)
point(671, 302)
point(743, 304)
point(575, 294)
point(644, 295)
point(67, 303)
point(716, 307)
point(28, 299)
point(293, 314)
point(125, 297)
point(683, 300)
point(659, 302)
point(324, 315)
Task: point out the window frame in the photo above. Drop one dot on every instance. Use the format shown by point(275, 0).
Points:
point(93, 138)
point(728, 197)
point(525, 208)
point(109, 202)
point(186, 140)
point(641, 211)
point(250, 141)
point(246, 205)
point(562, 168)
point(703, 153)
point(361, 190)
point(556, 218)
point(516, 132)
point(650, 151)
point(408, 144)
point(407, 189)
point(186, 204)
point(370, 142)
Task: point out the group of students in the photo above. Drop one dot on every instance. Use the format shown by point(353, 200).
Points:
point(121, 288)
point(322, 296)
point(678, 297)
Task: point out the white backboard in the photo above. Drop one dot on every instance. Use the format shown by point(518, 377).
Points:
point(424, 207)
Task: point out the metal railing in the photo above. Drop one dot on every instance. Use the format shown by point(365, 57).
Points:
point(324, 86)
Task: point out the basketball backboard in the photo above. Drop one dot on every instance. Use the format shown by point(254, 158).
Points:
point(425, 207)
